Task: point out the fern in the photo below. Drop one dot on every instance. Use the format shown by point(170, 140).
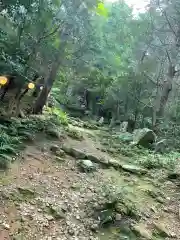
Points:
point(4, 148)
point(4, 161)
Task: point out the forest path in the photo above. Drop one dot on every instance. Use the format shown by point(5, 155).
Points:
point(42, 198)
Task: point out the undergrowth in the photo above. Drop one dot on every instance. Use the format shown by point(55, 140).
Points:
point(142, 156)
point(151, 161)
point(15, 131)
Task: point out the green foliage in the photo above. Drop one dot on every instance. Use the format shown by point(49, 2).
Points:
point(102, 10)
point(58, 114)
point(152, 161)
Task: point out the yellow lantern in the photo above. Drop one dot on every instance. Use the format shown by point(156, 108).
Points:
point(3, 80)
point(31, 86)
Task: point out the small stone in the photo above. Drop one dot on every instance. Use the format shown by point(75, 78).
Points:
point(49, 217)
point(54, 148)
point(87, 165)
point(71, 232)
point(57, 212)
point(118, 217)
point(78, 217)
point(153, 209)
point(6, 226)
point(160, 199)
point(60, 159)
point(94, 227)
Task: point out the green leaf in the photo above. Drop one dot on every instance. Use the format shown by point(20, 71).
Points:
point(102, 10)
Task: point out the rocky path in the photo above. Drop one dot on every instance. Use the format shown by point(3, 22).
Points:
point(45, 197)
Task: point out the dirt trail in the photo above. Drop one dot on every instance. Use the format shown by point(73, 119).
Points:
point(41, 198)
point(51, 184)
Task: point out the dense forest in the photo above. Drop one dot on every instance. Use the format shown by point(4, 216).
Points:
point(89, 120)
point(99, 56)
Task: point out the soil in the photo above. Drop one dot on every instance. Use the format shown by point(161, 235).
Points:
point(43, 199)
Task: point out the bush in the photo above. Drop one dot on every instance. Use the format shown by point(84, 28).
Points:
point(58, 114)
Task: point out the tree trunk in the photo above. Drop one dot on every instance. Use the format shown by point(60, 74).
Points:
point(167, 87)
point(41, 100)
point(158, 112)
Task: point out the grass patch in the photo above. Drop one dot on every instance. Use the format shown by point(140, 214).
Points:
point(157, 161)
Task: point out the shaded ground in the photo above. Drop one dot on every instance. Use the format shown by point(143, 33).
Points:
point(41, 198)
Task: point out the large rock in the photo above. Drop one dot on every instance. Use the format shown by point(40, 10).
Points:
point(114, 163)
point(144, 137)
point(134, 169)
point(160, 146)
point(57, 151)
point(74, 152)
point(97, 159)
point(87, 165)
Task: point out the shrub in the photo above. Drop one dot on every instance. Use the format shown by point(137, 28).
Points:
point(60, 115)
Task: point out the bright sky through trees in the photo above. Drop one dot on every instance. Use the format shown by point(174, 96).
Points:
point(138, 5)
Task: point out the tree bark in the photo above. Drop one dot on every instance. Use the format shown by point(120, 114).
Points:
point(41, 100)
point(167, 87)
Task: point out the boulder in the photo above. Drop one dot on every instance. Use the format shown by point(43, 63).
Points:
point(57, 151)
point(144, 137)
point(133, 169)
point(74, 152)
point(97, 159)
point(114, 163)
point(160, 146)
